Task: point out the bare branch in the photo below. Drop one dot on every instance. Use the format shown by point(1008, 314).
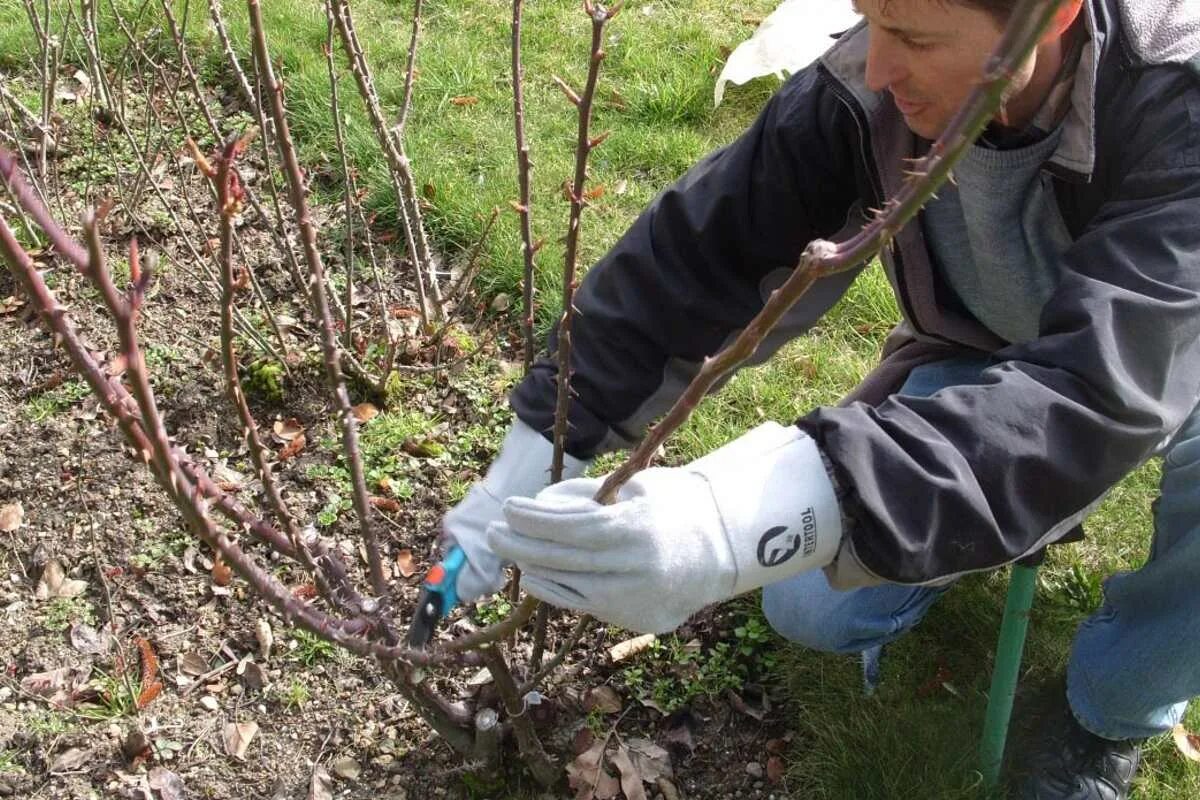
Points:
point(320, 302)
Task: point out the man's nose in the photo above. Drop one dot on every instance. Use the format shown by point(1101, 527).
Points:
point(885, 66)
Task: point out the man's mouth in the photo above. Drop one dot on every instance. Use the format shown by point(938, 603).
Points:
point(907, 107)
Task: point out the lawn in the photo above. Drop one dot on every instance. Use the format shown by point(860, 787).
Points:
point(916, 736)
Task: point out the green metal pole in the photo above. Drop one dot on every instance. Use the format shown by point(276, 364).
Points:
point(1021, 587)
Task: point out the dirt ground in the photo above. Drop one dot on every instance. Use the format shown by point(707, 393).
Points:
point(73, 655)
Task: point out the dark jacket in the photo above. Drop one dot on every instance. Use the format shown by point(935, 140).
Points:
point(971, 478)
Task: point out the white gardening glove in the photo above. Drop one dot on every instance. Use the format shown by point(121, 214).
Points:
point(758, 510)
point(521, 469)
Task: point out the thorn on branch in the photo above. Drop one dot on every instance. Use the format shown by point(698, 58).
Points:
point(202, 163)
point(599, 140)
point(566, 90)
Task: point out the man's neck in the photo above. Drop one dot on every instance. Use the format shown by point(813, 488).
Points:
point(1018, 111)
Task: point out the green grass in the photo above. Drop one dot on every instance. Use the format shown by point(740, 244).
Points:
point(654, 95)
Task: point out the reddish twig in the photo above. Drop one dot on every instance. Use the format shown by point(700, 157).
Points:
point(320, 302)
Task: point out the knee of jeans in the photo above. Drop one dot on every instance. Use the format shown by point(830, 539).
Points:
point(806, 624)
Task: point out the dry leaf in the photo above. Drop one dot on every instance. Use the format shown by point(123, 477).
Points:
point(193, 664)
point(117, 365)
point(59, 686)
point(406, 563)
point(69, 760)
point(603, 699)
point(321, 785)
point(652, 762)
point(266, 639)
point(237, 737)
point(464, 100)
point(594, 193)
point(222, 573)
point(347, 768)
point(364, 412)
point(588, 777)
point(775, 769)
point(384, 503)
point(10, 304)
point(286, 430)
point(305, 591)
point(168, 785)
point(1188, 743)
point(631, 779)
point(11, 516)
point(630, 647)
point(293, 447)
point(87, 639)
point(55, 583)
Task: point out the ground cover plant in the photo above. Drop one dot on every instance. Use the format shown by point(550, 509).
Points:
point(690, 677)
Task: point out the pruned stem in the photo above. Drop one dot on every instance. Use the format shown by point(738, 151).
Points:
point(539, 763)
point(523, 175)
point(320, 302)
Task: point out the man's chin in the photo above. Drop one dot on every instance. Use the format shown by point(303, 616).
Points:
point(924, 129)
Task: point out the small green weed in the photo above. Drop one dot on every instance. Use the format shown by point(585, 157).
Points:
point(493, 611)
point(309, 648)
point(43, 405)
point(154, 552)
point(116, 698)
point(8, 763)
point(296, 696)
point(62, 612)
point(47, 722)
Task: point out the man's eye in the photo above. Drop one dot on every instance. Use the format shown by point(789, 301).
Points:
point(918, 46)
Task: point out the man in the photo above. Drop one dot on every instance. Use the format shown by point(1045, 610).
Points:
point(1050, 345)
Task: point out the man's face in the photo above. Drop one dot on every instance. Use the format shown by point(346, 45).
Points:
point(929, 54)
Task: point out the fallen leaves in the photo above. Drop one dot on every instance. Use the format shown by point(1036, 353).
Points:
point(637, 761)
point(321, 785)
point(464, 100)
point(58, 686)
point(11, 517)
point(237, 737)
point(603, 699)
point(286, 430)
point(631, 779)
point(385, 503)
point(54, 583)
point(222, 573)
point(364, 412)
point(588, 777)
point(406, 563)
point(1187, 742)
point(293, 448)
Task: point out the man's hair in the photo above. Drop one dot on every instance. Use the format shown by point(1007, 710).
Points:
point(1000, 9)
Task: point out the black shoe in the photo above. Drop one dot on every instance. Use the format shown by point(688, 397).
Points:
point(1067, 762)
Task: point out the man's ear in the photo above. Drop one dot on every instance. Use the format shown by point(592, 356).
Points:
point(1064, 18)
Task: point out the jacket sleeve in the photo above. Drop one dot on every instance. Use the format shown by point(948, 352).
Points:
point(693, 268)
point(981, 475)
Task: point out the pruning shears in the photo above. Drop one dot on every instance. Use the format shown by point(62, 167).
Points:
point(438, 595)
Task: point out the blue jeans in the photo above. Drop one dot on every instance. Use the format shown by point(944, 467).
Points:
point(1135, 662)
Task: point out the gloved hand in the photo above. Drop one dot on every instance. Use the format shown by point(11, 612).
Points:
point(521, 469)
point(758, 510)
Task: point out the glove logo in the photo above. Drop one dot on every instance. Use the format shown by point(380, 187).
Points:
point(777, 546)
